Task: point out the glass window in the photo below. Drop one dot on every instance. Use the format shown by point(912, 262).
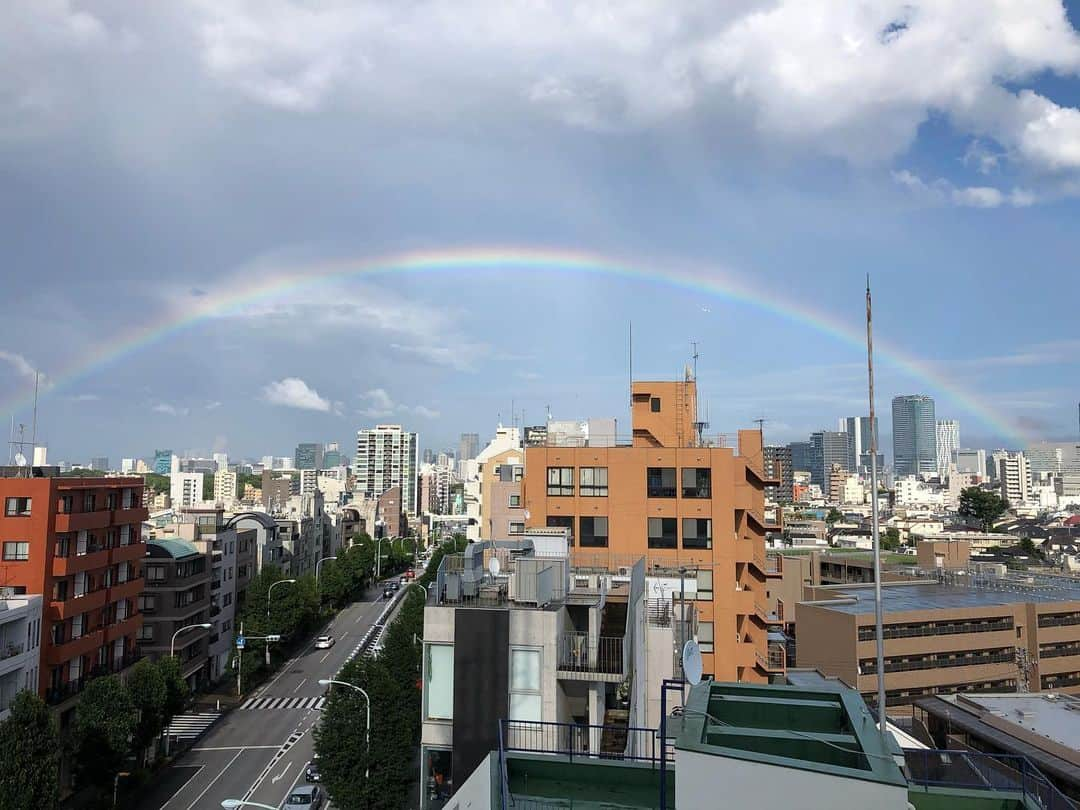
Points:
point(594, 482)
point(696, 482)
point(517, 527)
point(705, 636)
point(705, 584)
point(17, 507)
point(17, 550)
point(525, 698)
point(654, 404)
point(560, 481)
point(562, 522)
point(697, 533)
point(515, 500)
point(89, 502)
point(663, 532)
point(439, 683)
point(661, 482)
point(594, 532)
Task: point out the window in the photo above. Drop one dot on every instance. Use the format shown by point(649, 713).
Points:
point(517, 527)
point(697, 533)
point(594, 532)
point(89, 502)
point(654, 404)
point(594, 482)
point(75, 669)
point(60, 590)
point(147, 604)
point(705, 636)
point(63, 546)
point(17, 507)
point(562, 522)
point(663, 532)
point(696, 482)
point(525, 699)
point(67, 504)
point(17, 550)
point(704, 584)
point(112, 501)
point(146, 632)
point(661, 482)
point(439, 682)
point(515, 500)
point(560, 481)
point(155, 573)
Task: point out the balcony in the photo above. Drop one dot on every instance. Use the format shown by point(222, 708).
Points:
point(129, 553)
point(94, 557)
point(74, 605)
point(75, 521)
point(125, 627)
point(774, 660)
point(764, 614)
point(134, 515)
point(86, 644)
point(126, 590)
point(591, 658)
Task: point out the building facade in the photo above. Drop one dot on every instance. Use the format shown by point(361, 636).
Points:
point(971, 461)
point(186, 489)
point(225, 488)
point(308, 456)
point(914, 435)
point(948, 442)
point(1014, 477)
point(20, 647)
point(828, 453)
point(778, 467)
point(860, 441)
point(469, 446)
point(177, 595)
point(387, 456)
point(163, 462)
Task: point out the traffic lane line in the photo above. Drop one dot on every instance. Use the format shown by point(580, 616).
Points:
point(213, 781)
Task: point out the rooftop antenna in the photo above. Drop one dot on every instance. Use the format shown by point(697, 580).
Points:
point(33, 430)
point(879, 618)
point(694, 356)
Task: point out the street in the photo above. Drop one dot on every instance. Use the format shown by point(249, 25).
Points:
point(258, 751)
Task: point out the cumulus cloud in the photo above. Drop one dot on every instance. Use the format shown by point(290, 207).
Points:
point(944, 191)
point(23, 367)
point(292, 392)
point(169, 409)
point(380, 405)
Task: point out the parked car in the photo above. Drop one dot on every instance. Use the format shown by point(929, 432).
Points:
point(324, 642)
point(306, 796)
point(311, 772)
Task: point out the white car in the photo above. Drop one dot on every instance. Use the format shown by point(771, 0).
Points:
point(324, 642)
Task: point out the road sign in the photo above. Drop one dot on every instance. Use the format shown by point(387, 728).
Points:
point(240, 642)
point(273, 638)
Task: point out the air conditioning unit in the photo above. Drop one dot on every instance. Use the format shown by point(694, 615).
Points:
point(625, 570)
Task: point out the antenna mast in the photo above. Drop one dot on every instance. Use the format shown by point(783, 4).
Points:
point(879, 618)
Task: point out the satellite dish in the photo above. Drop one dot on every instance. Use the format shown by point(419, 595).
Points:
point(691, 662)
point(494, 567)
point(20, 460)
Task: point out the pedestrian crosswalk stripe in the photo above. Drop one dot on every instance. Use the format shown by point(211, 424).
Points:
point(283, 703)
point(190, 726)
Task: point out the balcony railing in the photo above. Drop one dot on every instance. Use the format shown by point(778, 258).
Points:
point(984, 772)
point(775, 660)
point(580, 740)
point(10, 650)
point(580, 652)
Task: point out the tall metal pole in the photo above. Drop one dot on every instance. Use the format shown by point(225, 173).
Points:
point(239, 664)
point(879, 618)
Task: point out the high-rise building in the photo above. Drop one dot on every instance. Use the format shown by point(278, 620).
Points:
point(186, 489)
point(429, 455)
point(1053, 457)
point(163, 460)
point(827, 448)
point(778, 467)
point(469, 446)
point(221, 462)
point(800, 457)
point(914, 435)
point(388, 456)
point(1014, 475)
point(331, 456)
point(971, 461)
point(308, 456)
point(225, 487)
point(859, 441)
point(127, 466)
point(100, 463)
point(948, 442)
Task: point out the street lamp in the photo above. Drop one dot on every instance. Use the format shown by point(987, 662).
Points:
point(421, 587)
point(367, 700)
point(172, 644)
point(116, 786)
point(229, 804)
point(320, 562)
point(378, 559)
point(270, 590)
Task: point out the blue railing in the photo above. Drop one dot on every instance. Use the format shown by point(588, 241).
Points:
point(504, 777)
point(583, 741)
point(972, 770)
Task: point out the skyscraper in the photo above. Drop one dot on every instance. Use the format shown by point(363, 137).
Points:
point(859, 440)
point(827, 447)
point(332, 456)
point(778, 465)
point(308, 456)
point(914, 435)
point(469, 446)
point(948, 442)
point(163, 461)
point(800, 457)
point(387, 456)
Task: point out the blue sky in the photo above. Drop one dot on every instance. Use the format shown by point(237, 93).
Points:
point(153, 156)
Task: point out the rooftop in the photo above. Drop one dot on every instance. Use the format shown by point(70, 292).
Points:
point(1054, 716)
point(177, 549)
point(902, 597)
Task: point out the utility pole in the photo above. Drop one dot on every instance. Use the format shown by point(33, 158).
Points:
point(879, 617)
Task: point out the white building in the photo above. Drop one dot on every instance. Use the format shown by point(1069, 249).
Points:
point(971, 461)
point(20, 647)
point(911, 491)
point(387, 456)
point(186, 489)
point(225, 487)
point(948, 442)
point(309, 481)
point(222, 461)
point(1014, 475)
point(127, 466)
point(853, 491)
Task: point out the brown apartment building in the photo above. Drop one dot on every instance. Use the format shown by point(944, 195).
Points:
point(678, 500)
point(78, 542)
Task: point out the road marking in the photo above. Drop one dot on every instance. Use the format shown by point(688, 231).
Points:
point(297, 689)
point(281, 775)
point(212, 781)
point(285, 798)
point(235, 747)
point(181, 788)
point(285, 746)
point(321, 660)
point(345, 634)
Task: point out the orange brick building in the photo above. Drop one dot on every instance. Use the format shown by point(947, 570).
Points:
point(677, 499)
point(78, 542)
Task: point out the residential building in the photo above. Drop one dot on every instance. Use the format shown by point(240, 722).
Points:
point(100, 463)
point(435, 489)
point(828, 454)
point(502, 469)
point(206, 466)
point(127, 466)
point(914, 435)
point(221, 462)
point(947, 438)
point(308, 456)
point(469, 446)
point(20, 646)
point(1014, 477)
point(309, 480)
point(995, 462)
point(390, 520)
point(77, 542)
point(186, 489)
point(387, 456)
point(703, 508)
point(164, 461)
point(177, 595)
point(971, 461)
point(275, 491)
point(266, 547)
point(225, 487)
point(860, 441)
point(778, 466)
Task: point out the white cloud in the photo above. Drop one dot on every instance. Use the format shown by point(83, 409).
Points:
point(381, 405)
point(292, 392)
point(85, 398)
point(24, 368)
point(427, 413)
point(943, 191)
point(169, 409)
point(213, 406)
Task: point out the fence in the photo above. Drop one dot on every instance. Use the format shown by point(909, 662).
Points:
point(581, 740)
point(999, 773)
point(580, 652)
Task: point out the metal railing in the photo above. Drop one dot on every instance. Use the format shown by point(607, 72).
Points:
point(868, 666)
point(866, 633)
point(1059, 652)
point(580, 652)
point(10, 650)
point(581, 740)
point(999, 773)
point(774, 660)
point(766, 615)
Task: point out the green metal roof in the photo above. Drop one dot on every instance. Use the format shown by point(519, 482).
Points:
point(177, 549)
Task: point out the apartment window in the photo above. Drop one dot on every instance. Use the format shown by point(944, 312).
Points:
point(60, 590)
point(155, 573)
point(75, 669)
point(517, 527)
point(16, 550)
point(663, 532)
point(705, 636)
point(17, 507)
point(515, 500)
point(594, 532)
point(654, 404)
point(147, 604)
point(125, 535)
point(705, 584)
point(112, 501)
point(560, 481)
point(562, 522)
point(519, 473)
point(661, 482)
point(89, 502)
point(697, 533)
point(593, 482)
point(439, 682)
point(146, 632)
point(696, 482)
point(525, 699)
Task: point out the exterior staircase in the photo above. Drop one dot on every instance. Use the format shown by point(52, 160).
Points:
point(613, 741)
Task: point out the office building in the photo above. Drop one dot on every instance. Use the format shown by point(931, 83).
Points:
point(332, 456)
point(703, 508)
point(948, 442)
point(20, 647)
point(1014, 478)
point(99, 463)
point(221, 462)
point(1053, 457)
point(914, 435)
point(177, 594)
point(163, 462)
point(387, 456)
point(469, 446)
point(225, 488)
point(429, 456)
point(308, 456)
point(186, 489)
point(778, 467)
point(275, 491)
point(77, 542)
point(859, 442)
point(971, 461)
point(801, 457)
point(828, 454)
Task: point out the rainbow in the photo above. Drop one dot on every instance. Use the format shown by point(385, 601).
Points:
point(713, 282)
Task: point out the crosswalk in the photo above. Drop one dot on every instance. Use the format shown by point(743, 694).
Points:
point(192, 725)
point(284, 703)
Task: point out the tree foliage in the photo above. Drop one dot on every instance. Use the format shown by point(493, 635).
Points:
point(834, 516)
point(150, 695)
point(29, 756)
point(157, 483)
point(177, 690)
point(104, 725)
point(982, 505)
point(890, 541)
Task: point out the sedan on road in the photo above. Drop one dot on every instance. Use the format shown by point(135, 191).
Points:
point(388, 592)
point(324, 642)
point(306, 796)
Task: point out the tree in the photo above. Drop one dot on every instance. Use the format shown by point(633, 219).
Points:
point(150, 694)
point(834, 515)
point(104, 725)
point(982, 505)
point(30, 764)
point(177, 690)
point(891, 540)
point(1027, 545)
point(157, 483)
point(208, 487)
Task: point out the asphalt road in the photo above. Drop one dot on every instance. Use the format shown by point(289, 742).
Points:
point(259, 754)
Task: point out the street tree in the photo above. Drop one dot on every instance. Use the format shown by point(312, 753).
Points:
point(834, 516)
point(890, 541)
point(177, 690)
point(30, 759)
point(982, 505)
point(150, 694)
point(104, 725)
